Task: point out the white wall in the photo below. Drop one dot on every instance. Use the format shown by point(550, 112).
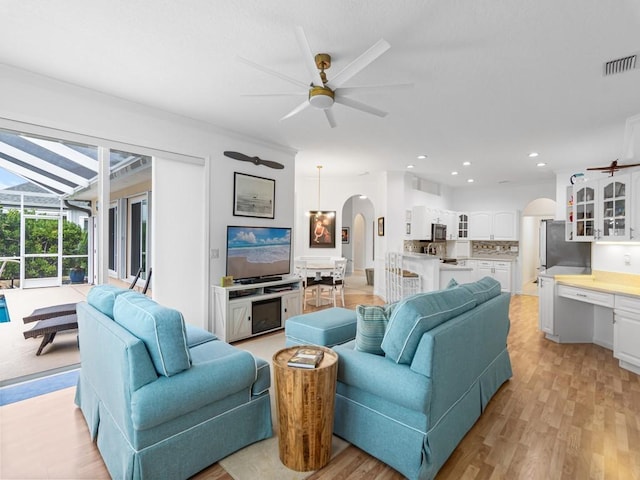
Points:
point(28, 102)
point(610, 258)
point(500, 197)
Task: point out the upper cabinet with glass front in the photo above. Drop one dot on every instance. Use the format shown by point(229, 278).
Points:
point(601, 209)
point(584, 211)
point(463, 225)
point(614, 202)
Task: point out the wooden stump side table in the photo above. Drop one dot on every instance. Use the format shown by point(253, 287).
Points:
point(305, 398)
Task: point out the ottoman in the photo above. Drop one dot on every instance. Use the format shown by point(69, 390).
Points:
point(328, 327)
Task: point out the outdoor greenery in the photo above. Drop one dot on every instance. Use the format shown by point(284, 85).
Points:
point(41, 236)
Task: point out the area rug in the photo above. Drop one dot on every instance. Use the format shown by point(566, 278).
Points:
point(261, 460)
point(39, 386)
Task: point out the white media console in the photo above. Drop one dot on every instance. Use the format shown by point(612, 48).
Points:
point(243, 311)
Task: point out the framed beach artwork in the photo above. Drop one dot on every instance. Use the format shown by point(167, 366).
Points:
point(322, 229)
point(253, 196)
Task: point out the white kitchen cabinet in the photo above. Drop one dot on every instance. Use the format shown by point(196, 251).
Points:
point(626, 332)
point(451, 221)
point(499, 270)
point(462, 225)
point(501, 226)
point(473, 265)
point(602, 209)
point(634, 229)
point(613, 220)
point(546, 296)
point(421, 219)
point(480, 227)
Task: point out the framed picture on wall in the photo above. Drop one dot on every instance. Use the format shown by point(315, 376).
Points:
point(381, 226)
point(253, 196)
point(322, 229)
point(345, 234)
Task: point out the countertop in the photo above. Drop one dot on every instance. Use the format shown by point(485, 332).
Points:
point(451, 266)
point(608, 282)
point(562, 270)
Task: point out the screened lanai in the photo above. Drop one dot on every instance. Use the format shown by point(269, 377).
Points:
point(48, 193)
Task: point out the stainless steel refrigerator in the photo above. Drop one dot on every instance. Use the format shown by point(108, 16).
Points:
point(555, 250)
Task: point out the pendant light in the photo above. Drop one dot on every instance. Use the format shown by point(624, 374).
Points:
point(318, 213)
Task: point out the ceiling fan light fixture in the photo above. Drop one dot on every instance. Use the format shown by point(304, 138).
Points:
point(321, 97)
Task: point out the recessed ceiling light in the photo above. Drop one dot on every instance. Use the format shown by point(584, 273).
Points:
point(422, 157)
point(540, 164)
point(466, 164)
point(410, 166)
point(533, 154)
point(454, 173)
point(470, 180)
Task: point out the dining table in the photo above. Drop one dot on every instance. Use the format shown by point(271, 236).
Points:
point(322, 270)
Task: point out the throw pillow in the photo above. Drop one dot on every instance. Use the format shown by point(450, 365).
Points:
point(161, 329)
point(371, 323)
point(418, 314)
point(452, 283)
point(484, 289)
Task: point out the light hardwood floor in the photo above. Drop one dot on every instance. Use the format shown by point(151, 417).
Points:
point(569, 412)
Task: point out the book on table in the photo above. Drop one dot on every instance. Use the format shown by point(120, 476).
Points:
point(306, 358)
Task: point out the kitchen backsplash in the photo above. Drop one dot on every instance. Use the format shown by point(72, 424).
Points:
point(494, 249)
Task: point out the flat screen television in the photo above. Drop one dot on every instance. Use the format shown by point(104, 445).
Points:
point(257, 253)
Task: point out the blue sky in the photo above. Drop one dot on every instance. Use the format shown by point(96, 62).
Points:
point(8, 179)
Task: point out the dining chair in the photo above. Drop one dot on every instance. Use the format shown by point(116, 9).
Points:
point(338, 276)
point(309, 282)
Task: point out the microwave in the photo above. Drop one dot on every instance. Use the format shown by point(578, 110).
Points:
point(438, 232)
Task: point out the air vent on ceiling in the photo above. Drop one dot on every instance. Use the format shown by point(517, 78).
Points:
point(621, 65)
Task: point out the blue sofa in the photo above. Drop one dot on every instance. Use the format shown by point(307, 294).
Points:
point(441, 357)
point(163, 399)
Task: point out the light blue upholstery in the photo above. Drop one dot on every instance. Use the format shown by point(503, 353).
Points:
point(419, 313)
point(325, 327)
point(484, 289)
point(413, 415)
point(150, 426)
point(103, 297)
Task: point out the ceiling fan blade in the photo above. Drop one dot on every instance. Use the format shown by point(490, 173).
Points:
point(309, 59)
point(374, 88)
point(330, 118)
point(350, 102)
point(282, 94)
point(274, 73)
point(359, 63)
point(296, 110)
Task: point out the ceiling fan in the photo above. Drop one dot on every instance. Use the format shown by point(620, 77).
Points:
point(323, 93)
point(614, 167)
point(254, 160)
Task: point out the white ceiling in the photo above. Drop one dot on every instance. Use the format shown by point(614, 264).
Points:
point(494, 79)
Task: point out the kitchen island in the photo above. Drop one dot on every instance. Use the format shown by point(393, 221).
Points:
point(426, 266)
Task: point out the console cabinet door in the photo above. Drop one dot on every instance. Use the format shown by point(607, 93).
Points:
point(291, 306)
point(239, 321)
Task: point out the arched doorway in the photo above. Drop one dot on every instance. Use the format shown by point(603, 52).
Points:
point(537, 210)
point(357, 213)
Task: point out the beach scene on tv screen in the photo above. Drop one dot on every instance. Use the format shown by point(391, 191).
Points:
point(257, 252)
